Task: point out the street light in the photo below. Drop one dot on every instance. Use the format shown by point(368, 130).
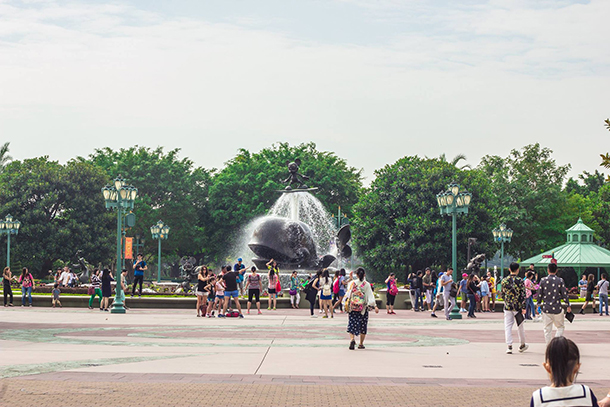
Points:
point(121, 196)
point(341, 220)
point(9, 227)
point(502, 234)
point(159, 231)
point(452, 202)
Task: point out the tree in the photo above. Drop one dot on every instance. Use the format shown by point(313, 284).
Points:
point(592, 182)
point(246, 187)
point(60, 209)
point(456, 160)
point(527, 186)
point(606, 157)
point(397, 222)
point(4, 157)
point(170, 189)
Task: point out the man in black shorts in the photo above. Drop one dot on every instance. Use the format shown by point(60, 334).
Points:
point(231, 291)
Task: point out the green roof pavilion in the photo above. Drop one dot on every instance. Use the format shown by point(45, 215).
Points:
point(579, 252)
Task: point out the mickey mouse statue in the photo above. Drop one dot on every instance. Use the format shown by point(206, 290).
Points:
point(295, 177)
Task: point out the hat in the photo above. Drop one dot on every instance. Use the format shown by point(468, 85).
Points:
point(465, 275)
point(240, 259)
point(440, 274)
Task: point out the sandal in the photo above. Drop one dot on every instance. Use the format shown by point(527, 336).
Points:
point(352, 345)
point(361, 347)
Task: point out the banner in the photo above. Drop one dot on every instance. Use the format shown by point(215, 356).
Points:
point(129, 248)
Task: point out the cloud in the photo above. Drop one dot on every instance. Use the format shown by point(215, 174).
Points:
point(479, 78)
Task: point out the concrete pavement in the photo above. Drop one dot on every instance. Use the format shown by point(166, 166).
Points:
point(170, 357)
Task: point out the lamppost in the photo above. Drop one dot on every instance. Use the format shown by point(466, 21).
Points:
point(10, 227)
point(502, 234)
point(121, 196)
point(341, 220)
point(452, 202)
point(159, 231)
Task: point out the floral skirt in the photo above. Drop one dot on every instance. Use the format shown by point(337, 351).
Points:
point(357, 323)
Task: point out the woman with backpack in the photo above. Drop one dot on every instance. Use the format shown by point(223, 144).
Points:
point(326, 294)
point(392, 290)
point(27, 285)
point(360, 298)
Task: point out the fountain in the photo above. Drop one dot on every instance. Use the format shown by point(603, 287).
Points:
point(297, 229)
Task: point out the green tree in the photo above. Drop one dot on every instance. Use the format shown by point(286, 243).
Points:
point(246, 187)
point(529, 198)
point(4, 157)
point(60, 209)
point(606, 157)
point(397, 222)
point(591, 182)
point(170, 189)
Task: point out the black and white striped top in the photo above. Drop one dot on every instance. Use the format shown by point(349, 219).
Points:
point(96, 282)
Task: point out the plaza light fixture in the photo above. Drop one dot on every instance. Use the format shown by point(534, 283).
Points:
point(502, 234)
point(159, 231)
point(9, 227)
point(119, 196)
point(451, 202)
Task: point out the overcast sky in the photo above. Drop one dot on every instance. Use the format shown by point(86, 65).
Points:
point(372, 80)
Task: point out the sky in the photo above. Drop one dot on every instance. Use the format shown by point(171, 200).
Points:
point(371, 80)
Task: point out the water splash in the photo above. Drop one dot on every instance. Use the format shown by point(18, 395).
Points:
point(301, 206)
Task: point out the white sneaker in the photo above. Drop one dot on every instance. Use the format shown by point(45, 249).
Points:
point(314, 316)
point(523, 347)
point(509, 350)
point(321, 311)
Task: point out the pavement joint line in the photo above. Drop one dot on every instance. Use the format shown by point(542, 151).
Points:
point(263, 359)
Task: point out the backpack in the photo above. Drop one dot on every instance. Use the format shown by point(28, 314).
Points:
point(393, 288)
point(336, 286)
point(356, 300)
point(326, 291)
point(232, 314)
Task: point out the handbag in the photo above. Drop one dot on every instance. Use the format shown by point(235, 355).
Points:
point(453, 290)
point(90, 290)
point(292, 292)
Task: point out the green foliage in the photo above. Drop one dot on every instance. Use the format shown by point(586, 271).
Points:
point(247, 186)
point(605, 157)
point(527, 186)
point(592, 182)
point(4, 157)
point(397, 222)
point(60, 210)
point(169, 188)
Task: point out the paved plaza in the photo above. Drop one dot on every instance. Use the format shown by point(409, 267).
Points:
point(77, 357)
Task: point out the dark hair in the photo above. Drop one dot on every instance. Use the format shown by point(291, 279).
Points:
point(325, 273)
point(562, 355)
point(24, 272)
point(529, 274)
point(55, 285)
point(124, 271)
point(105, 273)
point(253, 268)
point(271, 273)
point(514, 266)
point(532, 264)
point(419, 273)
point(604, 276)
point(360, 273)
point(95, 270)
point(337, 273)
point(449, 268)
point(591, 278)
point(552, 268)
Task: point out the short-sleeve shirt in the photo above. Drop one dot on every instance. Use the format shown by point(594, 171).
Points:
point(230, 279)
point(254, 282)
point(137, 268)
point(463, 284)
point(445, 289)
point(603, 286)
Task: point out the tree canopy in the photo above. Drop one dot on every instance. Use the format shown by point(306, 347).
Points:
point(397, 222)
point(60, 210)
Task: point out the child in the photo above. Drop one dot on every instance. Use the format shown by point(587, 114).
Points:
point(562, 362)
point(56, 293)
point(219, 287)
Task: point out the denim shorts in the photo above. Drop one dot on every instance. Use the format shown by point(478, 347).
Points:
point(233, 294)
point(220, 297)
